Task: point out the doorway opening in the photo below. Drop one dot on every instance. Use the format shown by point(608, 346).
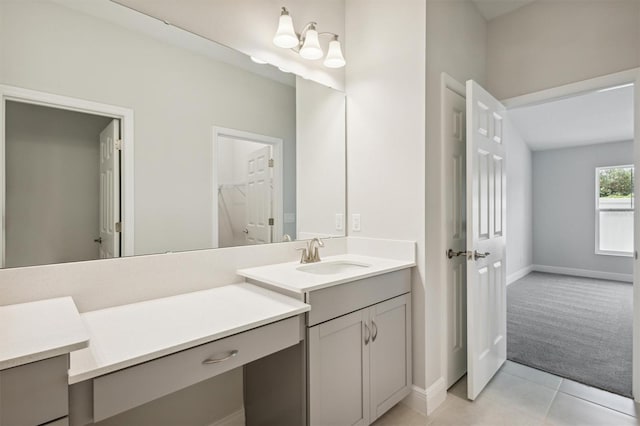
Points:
point(65, 181)
point(608, 229)
point(248, 198)
point(570, 293)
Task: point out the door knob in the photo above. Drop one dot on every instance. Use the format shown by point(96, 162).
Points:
point(451, 254)
point(477, 255)
point(98, 240)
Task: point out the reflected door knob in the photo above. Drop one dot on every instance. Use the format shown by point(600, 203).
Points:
point(477, 255)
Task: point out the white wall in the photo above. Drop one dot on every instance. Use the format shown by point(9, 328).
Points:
point(52, 185)
point(249, 26)
point(456, 44)
point(549, 43)
point(385, 131)
point(564, 207)
point(320, 149)
point(519, 204)
point(177, 97)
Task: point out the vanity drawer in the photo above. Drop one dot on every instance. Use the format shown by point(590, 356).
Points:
point(34, 393)
point(125, 389)
point(332, 302)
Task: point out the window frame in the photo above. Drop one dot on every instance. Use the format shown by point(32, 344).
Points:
point(598, 210)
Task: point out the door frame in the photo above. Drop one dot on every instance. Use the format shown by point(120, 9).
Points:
point(278, 177)
point(590, 85)
point(125, 115)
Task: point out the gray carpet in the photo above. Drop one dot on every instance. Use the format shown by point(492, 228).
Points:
point(578, 328)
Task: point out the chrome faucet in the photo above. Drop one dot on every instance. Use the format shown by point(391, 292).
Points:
point(311, 254)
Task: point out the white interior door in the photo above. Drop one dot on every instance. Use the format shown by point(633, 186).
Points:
point(259, 197)
point(454, 151)
point(486, 211)
point(109, 191)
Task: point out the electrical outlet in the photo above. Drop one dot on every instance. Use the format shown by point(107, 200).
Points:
point(339, 222)
point(355, 222)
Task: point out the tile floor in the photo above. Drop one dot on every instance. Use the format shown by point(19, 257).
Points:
point(520, 395)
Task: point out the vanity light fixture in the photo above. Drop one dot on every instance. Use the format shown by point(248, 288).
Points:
point(307, 43)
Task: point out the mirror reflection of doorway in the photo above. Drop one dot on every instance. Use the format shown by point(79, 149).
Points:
point(248, 192)
point(62, 185)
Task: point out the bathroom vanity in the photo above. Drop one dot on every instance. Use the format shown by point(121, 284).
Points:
point(357, 352)
point(35, 341)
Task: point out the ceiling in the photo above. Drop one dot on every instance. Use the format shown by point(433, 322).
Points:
point(595, 117)
point(493, 8)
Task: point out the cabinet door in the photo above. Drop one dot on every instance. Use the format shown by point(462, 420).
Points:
point(339, 371)
point(390, 353)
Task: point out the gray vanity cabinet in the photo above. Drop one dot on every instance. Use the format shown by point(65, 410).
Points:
point(35, 393)
point(360, 364)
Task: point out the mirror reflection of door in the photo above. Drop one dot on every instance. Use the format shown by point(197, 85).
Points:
point(246, 193)
point(54, 196)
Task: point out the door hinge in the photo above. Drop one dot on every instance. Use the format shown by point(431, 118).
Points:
point(119, 144)
point(271, 162)
point(271, 221)
point(635, 254)
point(118, 226)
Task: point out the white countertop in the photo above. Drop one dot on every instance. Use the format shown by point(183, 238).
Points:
point(39, 330)
point(287, 276)
point(127, 335)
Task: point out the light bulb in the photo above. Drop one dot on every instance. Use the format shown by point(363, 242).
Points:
point(311, 47)
point(285, 35)
point(334, 57)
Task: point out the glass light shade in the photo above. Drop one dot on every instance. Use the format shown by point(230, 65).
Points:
point(311, 48)
point(286, 36)
point(334, 57)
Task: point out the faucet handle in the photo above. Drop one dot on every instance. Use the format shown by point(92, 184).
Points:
point(304, 258)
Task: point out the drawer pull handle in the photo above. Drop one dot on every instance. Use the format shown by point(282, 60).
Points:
point(375, 331)
point(229, 355)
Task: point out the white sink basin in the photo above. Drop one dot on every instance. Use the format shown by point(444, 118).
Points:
point(332, 267)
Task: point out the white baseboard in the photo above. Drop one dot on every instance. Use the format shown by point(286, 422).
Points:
point(417, 400)
point(584, 273)
point(519, 274)
point(234, 419)
point(436, 394)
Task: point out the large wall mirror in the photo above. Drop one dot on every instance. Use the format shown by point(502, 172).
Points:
point(126, 136)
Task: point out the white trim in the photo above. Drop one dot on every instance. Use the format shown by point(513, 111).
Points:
point(436, 395)
point(417, 400)
point(587, 273)
point(572, 89)
point(278, 178)
point(125, 115)
point(446, 82)
point(636, 267)
point(511, 278)
point(234, 419)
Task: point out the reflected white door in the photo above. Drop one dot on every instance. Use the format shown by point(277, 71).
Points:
point(454, 150)
point(109, 191)
point(259, 197)
point(486, 211)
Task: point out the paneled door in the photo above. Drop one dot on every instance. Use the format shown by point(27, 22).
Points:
point(454, 150)
point(110, 191)
point(259, 196)
point(486, 211)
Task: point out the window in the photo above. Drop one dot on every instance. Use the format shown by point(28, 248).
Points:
point(614, 210)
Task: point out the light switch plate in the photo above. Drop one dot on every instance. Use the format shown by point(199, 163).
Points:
point(355, 222)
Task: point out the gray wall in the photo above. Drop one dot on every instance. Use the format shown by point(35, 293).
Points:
point(519, 203)
point(564, 206)
point(52, 174)
point(177, 97)
point(550, 43)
